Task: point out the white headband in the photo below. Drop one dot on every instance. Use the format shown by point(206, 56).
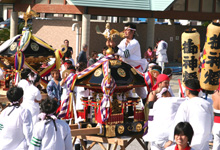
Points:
point(152, 64)
point(129, 28)
point(32, 79)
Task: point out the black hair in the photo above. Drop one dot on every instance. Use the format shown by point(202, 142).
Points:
point(25, 72)
point(36, 77)
point(131, 25)
point(168, 72)
point(48, 106)
point(158, 40)
point(157, 67)
point(65, 40)
point(54, 71)
point(105, 48)
point(150, 48)
point(71, 67)
point(193, 84)
point(15, 94)
point(184, 128)
point(93, 53)
point(68, 62)
point(81, 66)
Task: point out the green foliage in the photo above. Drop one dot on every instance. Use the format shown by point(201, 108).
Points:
point(5, 33)
point(206, 23)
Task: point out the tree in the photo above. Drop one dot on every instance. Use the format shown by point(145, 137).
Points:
point(5, 33)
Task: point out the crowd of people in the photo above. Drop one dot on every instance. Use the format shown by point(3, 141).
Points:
point(172, 123)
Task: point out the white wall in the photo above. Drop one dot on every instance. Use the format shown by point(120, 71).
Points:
point(5, 7)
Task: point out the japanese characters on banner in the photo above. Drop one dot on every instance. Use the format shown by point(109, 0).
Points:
point(190, 54)
point(210, 72)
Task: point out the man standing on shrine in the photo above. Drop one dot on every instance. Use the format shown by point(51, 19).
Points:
point(129, 48)
point(130, 52)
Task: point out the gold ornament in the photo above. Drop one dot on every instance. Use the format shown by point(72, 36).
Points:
point(110, 131)
point(34, 46)
point(13, 46)
point(115, 62)
point(121, 129)
point(109, 35)
point(98, 72)
point(29, 14)
point(133, 71)
point(89, 126)
point(121, 72)
point(139, 127)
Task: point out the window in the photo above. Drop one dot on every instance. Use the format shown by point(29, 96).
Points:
point(41, 1)
point(56, 1)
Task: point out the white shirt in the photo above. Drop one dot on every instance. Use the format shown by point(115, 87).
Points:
point(164, 111)
point(17, 129)
point(23, 84)
point(80, 92)
point(45, 137)
point(162, 51)
point(1, 74)
point(134, 58)
point(199, 113)
point(171, 91)
point(52, 61)
point(32, 93)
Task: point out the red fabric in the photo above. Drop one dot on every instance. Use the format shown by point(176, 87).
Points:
point(137, 67)
point(198, 90)
point(66, 63)
point(219, 86)
point(187, 148)
point(58, 109)
point(160, 78)
point(99, 118)
point(217, 119)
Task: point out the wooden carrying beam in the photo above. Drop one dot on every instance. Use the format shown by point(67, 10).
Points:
point(121, 142)
point(73, 126)
point(85, 131)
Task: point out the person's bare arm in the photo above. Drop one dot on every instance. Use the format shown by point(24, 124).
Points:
point(62, 82)
point(36, 101)
point(152, 97)
point(216, 100)
point(167, 144)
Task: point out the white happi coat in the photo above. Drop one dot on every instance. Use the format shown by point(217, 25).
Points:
point(23, 84)
point(15, 129)
point(199, 113)
point(216, 133)
point(164, 112)
point(32, 93)
point(80, 92)
point(45, 137)
point(135, 54)
point(162, 51)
